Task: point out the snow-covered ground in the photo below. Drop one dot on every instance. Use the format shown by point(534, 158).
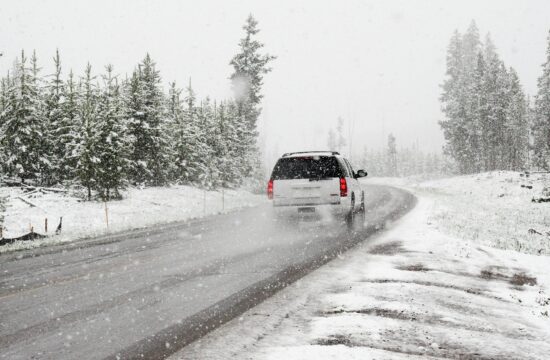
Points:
point(139, 208)
point(493, 208)
point(419, 290)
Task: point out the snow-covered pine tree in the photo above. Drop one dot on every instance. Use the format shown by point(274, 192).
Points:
point(250, 66)
point(174, 113)
point(67, 132)
point(45, 151)
point(219, 146)
point(225, 150)
point(332, 140)
point(4, 111)
point(87, 136)
point(453, 126)
point(54, 116)
point(22, 125)
point(113, 145)
point(205, 115)
point(145, 104)
point(471, 47)
point(516, 127)
point(391, 156)
point(243, 156)
point(498, 100)
point(3, 95)
point(5, 85)
point(364, 159)
point(381, 163)
point(133, 103)
point(479, 109)
point(340, 139)
point(190, 147)
point(541, 115)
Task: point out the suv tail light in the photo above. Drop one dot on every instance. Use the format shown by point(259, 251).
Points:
point(343, 187)
point(270, 189)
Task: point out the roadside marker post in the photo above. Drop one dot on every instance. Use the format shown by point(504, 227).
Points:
point(106, 214)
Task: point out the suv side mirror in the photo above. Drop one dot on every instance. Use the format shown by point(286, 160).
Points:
point(360, 174)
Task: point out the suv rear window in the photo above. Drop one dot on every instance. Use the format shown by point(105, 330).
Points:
point(309, 167)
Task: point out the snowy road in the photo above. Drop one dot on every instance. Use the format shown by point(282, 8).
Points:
point(149, 293)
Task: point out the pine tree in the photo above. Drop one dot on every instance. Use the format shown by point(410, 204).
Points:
point(205, 115)
point(45, 142)
point(516, 132)
point(249, 66)
point(340, 140)
point(67, 131)
point(453, 126)
point(190, 145)
point(54, 117)
point(392, 156)
point(113, 145)
point(4, 85)
point(364, 159)
point(133, 103)
point(470, 98)
point(179, 131)
point(87, 139)
point(245, 157)
point(541, 121)
point(145, 104)
point(225, 149)
point(332, 140)
point(22, 126)
point(5, 110)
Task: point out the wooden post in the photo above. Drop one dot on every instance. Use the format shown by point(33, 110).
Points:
point(106, 214)
point(204, 203)
point(46, 225)
point(223, 199)
point(1, 232)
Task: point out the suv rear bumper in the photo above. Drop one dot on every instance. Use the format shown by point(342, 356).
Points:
point(321, 210)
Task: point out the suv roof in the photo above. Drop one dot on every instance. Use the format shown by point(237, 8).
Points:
point(311, 153)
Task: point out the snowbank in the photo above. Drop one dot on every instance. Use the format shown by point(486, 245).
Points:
point(139, 208)
point(493, 208)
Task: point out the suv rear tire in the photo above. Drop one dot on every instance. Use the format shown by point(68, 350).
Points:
point(350, 217)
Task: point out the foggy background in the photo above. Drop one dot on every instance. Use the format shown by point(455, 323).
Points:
point(377, 64)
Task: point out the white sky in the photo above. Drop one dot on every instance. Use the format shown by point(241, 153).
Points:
point(378, 64)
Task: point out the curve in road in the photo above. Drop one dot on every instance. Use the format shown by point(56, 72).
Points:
point(149, 293)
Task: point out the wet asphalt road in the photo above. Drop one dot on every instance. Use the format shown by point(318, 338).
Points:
point(148, 293)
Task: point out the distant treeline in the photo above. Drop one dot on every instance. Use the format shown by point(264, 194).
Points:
point(393, 161)
point(490, 123)
point(104, 132)
point(403, 161)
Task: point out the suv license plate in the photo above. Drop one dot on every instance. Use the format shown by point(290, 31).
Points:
point(306, 210)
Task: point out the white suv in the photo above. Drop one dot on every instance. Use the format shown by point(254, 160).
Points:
point(314, 181)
